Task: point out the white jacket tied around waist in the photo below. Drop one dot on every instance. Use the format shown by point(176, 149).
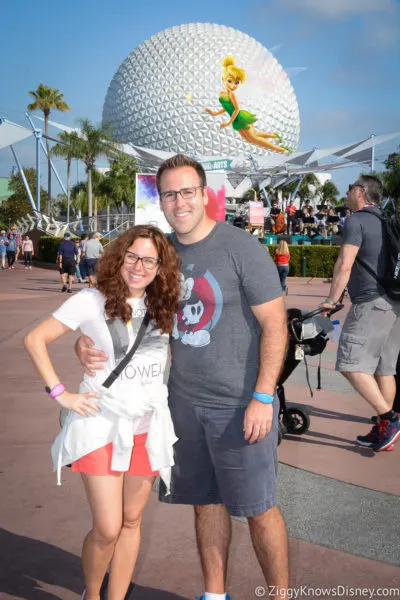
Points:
point(116, 422)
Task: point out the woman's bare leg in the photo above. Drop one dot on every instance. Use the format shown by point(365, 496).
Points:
point(136, 493)
point(105, 496)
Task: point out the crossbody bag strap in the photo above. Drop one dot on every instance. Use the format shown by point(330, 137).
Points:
point(125, 361)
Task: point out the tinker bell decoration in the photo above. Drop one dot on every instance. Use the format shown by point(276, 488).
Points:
point(242, 120)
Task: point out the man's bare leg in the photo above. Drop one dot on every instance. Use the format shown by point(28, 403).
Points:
point(387, 386)
point(269, 537)
point(213, 534)
point(367, 386)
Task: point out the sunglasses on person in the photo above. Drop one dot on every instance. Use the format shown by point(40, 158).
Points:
point(353, 185)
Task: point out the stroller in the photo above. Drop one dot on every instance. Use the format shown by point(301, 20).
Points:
point(308, 336)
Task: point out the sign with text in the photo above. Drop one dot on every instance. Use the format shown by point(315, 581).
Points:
point(147, 202)
point(217, 165)
point(256, 213)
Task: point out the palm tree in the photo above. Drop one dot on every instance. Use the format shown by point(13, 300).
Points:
point(309, 188)
point(95, 142)
point(67, 148)
point(47, 99)
point(329, 192)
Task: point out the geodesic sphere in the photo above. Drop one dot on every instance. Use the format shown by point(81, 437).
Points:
point(157, 97)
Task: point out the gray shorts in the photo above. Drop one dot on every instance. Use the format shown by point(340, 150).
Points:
point(370, 340)
point(215, 465)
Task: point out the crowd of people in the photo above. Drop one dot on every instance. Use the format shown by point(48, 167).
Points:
point(211, 432)
point(322, 221)
point(309, 221)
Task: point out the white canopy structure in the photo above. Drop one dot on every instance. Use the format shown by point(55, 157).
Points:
point(273, 170)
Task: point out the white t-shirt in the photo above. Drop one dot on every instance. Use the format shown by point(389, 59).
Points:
point(144, 375)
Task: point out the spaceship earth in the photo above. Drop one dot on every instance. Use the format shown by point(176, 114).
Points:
point(157, 97)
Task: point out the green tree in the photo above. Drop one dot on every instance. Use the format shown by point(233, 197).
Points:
point(67, 148)
point(79, 194)
point(391, 177)
point(309, 188)
point(95, 142)
point(47, 99)
point(329, 192)
point(18, 204)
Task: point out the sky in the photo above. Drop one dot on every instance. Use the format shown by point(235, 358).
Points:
point(343, 58)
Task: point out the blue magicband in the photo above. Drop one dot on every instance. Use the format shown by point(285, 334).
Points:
point(265, 398)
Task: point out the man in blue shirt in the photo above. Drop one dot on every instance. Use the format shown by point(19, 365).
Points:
point(11, 249)
point(67, 251)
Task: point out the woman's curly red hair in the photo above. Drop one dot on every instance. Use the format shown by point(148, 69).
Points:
point(162, 295)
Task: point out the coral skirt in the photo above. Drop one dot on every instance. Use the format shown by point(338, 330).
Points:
point(98, 462)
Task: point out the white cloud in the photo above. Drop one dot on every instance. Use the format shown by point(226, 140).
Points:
point(338, 9)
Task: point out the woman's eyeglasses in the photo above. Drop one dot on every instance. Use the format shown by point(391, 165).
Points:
point(149, 263)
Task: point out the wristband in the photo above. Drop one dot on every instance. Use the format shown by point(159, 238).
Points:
point(264, 398)
point(56, 391)
point(330, 301)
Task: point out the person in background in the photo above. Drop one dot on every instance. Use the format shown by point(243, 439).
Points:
point(369, 345)
point(282, 259)
point(27, 249)
point(67, 252)
point(343, 219)
point(94, 250)
point(3, 248)
point(11, 249)
point(18, 241)
point(290, 217)
point(77, 261)
point(82, 263)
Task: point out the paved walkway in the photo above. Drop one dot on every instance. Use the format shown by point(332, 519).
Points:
point(341, 503)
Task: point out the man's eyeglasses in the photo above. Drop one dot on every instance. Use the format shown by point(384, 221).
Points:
point(353, 185)
point(188, 193)
point(149, 263)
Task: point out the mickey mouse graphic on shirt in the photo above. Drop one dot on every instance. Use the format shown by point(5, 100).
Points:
point(200, 308)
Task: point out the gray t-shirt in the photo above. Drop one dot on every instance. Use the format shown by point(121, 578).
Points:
point(215, 342)
point(365, 231)
point(93, 249)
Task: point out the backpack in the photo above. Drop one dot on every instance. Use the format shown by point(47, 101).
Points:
point(391, 238)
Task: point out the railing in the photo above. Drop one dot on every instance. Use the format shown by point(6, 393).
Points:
point(109, 225)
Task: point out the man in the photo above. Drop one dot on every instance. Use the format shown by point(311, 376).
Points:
point(227, 348)
point(11, 249)
point(93, 251)
point(290, 216)
point(370, 340)
point(66, 254)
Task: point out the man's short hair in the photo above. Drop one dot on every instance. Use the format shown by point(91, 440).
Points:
point(181, 160)
point(373, 188)
point(96, 235)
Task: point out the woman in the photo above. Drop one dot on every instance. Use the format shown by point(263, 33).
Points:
point(282, 259)
point(241, 120)
point(118, 439)
point(27, 249)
